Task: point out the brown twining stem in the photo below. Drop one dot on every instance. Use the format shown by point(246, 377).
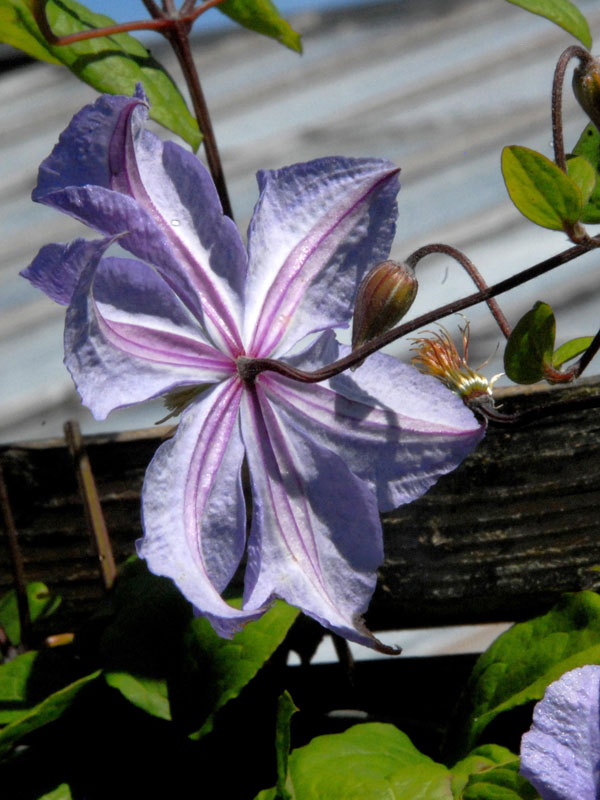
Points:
point(557, 88)
point(17, 563)
point(91, 503)
point(178, 37)
point(175, 27)
point(249, 368)
point(472, 271)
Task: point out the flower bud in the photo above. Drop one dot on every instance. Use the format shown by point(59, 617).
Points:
point(384, 296)
point(586, 86)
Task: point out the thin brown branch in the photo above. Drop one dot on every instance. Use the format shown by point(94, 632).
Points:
point(557, 89)
point(91, 503)
point(18, 569)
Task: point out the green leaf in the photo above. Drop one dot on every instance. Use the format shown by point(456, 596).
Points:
point(530, 345)
point(583, 174)
point(539, 189)
point(41, 605)
point(563, 13)
point(217, 669)
point(588, 146)
point(112, 64)
point(285, 711)
point(490, 772)
point(520, 664)
point(14, 676)
point(47, 711)
point(371, 760)
point(149, 694)
point(571, 349)
point(62, 792)
point(263, 17)
point(16, 30)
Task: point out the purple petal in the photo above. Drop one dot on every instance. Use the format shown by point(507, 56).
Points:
point(82, 154)
point(317, 228)
point(193, 506)
point(174, 218)
point(128, 339)
point(396, 429)
point(57, 267)
point(560, 755)
point(316, 535)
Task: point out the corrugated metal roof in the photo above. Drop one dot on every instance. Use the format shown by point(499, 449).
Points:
point(437, 86)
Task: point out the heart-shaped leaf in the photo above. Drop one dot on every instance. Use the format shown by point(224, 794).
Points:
point(539, 189)
point(530, 345)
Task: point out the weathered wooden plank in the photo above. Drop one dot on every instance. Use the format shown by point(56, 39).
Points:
point(498, 539)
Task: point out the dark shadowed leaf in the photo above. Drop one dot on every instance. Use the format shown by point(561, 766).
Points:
point(14, 676)
point(562, 13)
point(263, 17)
point(112, 64)
point(41, 604)
point(49, 710)
point(217, 669)
point(530, 345)
point(539, 189)
point(149, 694)
point(285, 711)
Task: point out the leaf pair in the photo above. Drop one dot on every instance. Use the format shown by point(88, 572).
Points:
point(116, 63)
point(530, 356)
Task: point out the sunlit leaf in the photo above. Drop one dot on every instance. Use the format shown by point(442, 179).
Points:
point(112, 64)
point(539, 189)
point(372, 760)
point(41, 604)
point(520, 664)
point(530, 345)
point(570, 349)
point(149, 694)
point(14, 676)
point(263, 17)
point(588, 146)
point(562, 13)
point(583, 174)
point(62, 792)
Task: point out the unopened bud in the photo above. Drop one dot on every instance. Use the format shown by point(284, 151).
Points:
point(586, 86)
point(384, 296)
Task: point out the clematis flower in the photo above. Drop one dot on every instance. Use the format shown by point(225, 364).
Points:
point(560, 755)
point(185, 317)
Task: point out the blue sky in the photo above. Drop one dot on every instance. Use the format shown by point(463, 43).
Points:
point(124, 10)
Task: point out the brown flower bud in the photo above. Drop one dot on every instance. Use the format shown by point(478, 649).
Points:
point(384, 296)
point(586, 86)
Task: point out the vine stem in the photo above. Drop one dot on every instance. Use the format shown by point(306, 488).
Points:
point(249, 368)
point(472, 271)
point(557, 89)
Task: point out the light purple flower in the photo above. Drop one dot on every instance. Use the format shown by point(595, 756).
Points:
point(322, 458)
point(560, 754)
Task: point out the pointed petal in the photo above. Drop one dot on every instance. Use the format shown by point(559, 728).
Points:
point(195, 247)
point(316, 536)
point(127, 338)
point(193, 506)
point(560, 755)
point(396, 429)
point(317, 228)
point(57, 267)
